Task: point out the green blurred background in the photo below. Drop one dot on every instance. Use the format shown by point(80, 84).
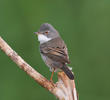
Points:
point(85, 27)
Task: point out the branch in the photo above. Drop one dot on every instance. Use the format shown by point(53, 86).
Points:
point(64, 89)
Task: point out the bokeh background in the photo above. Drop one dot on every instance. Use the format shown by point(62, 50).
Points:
point(85, 27)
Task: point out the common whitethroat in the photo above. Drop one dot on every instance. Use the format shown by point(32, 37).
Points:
point(53, 50)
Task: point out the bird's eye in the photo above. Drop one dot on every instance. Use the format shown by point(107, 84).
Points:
point(46, 32)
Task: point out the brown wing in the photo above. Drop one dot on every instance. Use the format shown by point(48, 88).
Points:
point(57, 51)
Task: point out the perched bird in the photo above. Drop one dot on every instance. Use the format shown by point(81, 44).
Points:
point(53, 50)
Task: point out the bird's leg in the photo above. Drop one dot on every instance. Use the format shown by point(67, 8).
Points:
point(52, 75)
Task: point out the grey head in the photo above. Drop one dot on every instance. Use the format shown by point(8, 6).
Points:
point(48, 30)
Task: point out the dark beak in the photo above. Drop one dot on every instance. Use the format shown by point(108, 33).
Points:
point(36, 33)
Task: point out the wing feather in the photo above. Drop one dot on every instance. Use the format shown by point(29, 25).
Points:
point(57, 52)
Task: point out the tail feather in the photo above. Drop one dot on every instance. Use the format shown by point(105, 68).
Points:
point(68, 72)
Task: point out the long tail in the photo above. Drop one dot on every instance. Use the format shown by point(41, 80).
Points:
point(68, 72)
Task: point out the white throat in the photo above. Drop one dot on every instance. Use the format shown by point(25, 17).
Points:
point(42, 38)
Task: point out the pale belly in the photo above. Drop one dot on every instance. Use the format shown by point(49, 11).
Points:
point(48, 62)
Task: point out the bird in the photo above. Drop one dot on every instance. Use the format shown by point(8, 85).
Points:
point(53, 50)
